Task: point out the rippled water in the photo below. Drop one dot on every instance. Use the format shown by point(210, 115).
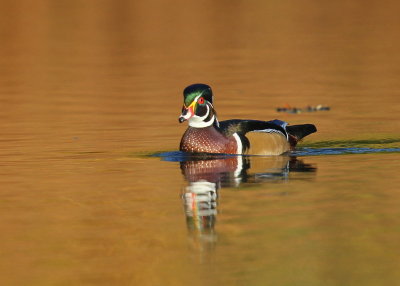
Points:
point(95, 192)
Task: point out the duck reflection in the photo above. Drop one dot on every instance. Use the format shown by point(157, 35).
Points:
point(206, 175)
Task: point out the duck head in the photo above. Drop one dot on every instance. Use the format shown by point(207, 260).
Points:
point(197, 106)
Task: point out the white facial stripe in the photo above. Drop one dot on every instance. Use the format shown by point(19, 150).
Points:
point(199, 122)
point(195, 121)
point(190, 109)
point(205, 116)
point(196, 98)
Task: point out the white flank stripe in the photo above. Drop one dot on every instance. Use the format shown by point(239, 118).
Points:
point(239, 144)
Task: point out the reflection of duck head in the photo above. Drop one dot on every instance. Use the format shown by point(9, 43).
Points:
point(206, 175)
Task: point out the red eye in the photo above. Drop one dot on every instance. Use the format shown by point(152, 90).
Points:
point(200, 100)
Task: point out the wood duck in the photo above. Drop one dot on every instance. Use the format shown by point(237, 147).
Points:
point(206, 134)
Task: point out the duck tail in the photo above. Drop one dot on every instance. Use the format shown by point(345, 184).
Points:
point(298, 132)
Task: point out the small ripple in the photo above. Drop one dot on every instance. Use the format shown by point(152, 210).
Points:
point(173, 156)
point(382, 143)
point(178, 156)
point(341, 151)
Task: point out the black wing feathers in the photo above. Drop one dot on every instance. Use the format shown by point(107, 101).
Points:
point(301, 131)
point(229, 127)
point(241, 127)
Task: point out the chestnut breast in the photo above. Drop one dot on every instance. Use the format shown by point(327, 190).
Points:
point(207, 140)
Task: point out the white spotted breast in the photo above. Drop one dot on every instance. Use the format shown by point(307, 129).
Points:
point(207, 140)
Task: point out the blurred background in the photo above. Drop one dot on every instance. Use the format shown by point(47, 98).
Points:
point(114, 71)
point(88, 86)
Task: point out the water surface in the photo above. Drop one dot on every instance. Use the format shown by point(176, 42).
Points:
point(89, 90)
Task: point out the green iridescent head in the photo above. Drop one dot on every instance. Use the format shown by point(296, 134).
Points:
point(194, 90)
point(197, 106)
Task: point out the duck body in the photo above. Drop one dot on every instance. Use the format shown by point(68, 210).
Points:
point(206, 134)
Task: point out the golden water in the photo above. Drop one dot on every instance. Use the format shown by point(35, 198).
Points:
point(89, 87)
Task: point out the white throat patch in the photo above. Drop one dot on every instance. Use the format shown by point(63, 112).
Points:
point(198, 122)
